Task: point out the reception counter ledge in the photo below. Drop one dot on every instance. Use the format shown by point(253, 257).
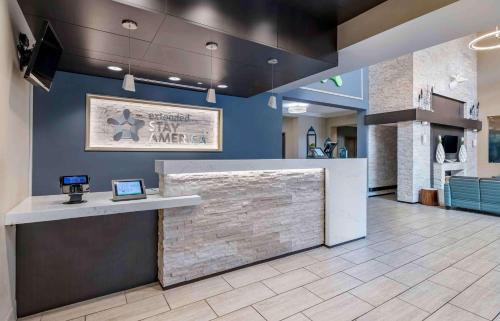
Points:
point(37, 209)
point(254, 210)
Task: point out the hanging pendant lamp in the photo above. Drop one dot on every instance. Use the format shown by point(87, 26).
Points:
point(212, 46)
point(128, 80)
point(272, 99)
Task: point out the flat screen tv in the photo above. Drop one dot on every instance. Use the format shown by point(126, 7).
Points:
point(44, 58)
point(450, 144)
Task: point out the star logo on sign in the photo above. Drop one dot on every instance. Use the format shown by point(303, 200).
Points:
point(126, 126)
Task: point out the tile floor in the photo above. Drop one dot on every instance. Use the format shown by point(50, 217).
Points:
point(417, 263)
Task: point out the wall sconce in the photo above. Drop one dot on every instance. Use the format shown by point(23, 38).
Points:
point(455, 80)
point(474, 142)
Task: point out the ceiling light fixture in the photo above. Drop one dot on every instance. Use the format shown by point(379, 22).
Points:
point(272, 99)
point(212, 46)
point(222, 86)
point(199, 83)
point(115, 68)
point(128, 80)
point(494, 34)
point(296, 108)
point(173, 78)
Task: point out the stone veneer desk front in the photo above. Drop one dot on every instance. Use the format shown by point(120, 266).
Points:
point(253, 210)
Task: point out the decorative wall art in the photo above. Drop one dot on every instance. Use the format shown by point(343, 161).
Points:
point(494, 139)
point(121, 124)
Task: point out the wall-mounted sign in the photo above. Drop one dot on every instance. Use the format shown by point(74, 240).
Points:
point(121, 124)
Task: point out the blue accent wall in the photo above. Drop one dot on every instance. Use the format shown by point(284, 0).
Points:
point(250, 130)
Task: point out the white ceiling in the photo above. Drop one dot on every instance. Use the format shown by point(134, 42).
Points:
point(319, 111)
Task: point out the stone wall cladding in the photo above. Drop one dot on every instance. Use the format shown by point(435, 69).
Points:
point(244, 217)
point(382, 156)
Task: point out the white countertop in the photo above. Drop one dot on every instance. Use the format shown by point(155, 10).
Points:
point(51, 208)
point(165, 167)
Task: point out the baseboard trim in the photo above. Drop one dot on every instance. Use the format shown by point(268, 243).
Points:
point(346, 242)
point(239, 267)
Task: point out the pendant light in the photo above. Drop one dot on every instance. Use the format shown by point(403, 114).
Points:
point(272, 99)
point(212, 46)
point(494, 35)
point(128, 80)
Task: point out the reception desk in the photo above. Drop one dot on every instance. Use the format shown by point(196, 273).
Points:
point(255, 210)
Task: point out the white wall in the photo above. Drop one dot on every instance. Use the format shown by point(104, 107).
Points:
point(14, 146)
point(489, 96)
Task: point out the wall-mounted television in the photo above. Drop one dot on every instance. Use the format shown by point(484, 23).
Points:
point(450, 144)
point(44, 58)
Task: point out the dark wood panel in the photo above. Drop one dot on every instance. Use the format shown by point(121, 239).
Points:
point(68, 261)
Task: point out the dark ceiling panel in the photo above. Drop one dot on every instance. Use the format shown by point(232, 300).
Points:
point(172, 35)
point(252, 20)
point(333, 11)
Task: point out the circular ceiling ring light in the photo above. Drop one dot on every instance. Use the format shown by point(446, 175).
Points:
point(494, 34)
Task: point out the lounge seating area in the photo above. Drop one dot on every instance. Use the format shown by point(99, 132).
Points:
point(473, 193)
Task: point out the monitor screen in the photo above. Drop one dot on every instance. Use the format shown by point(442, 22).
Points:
point(319, 152)
point(126, 188)
point(450, 144)
point(45, 58)
point(72, 180)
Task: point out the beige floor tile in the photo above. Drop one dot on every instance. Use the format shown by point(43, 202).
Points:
point(475, 265)
point(333, 285)
point(491, 281)
point(239, 298)
point(286, 304)
point(133, 311)
point(196, 291)
point(245, 314)
point(428, 296)
point(395, 310)
point(354, 245)
point(249, 275)
point(361, 255)
point(481, 301)
point(143, 292)
point(35, 317)
point(387, 246)
point(344, 307)
point(293, 262)
point(83, 308)
point(435, 262)
point(454, 279)
point(398, 258)
point(324, 253)
point(452, 313)
point(329, 267)
point(290, 280)
point(369, 270)
point(379, 290)
point(410, 274)
point(198, 311)
point(297, 317)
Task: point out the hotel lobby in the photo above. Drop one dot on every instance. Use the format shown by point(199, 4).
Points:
point(258, 160)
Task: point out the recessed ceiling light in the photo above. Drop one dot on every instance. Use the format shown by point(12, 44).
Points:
point(173, 78)
point(199, 83)
point(115, 68)
point(222, 86)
